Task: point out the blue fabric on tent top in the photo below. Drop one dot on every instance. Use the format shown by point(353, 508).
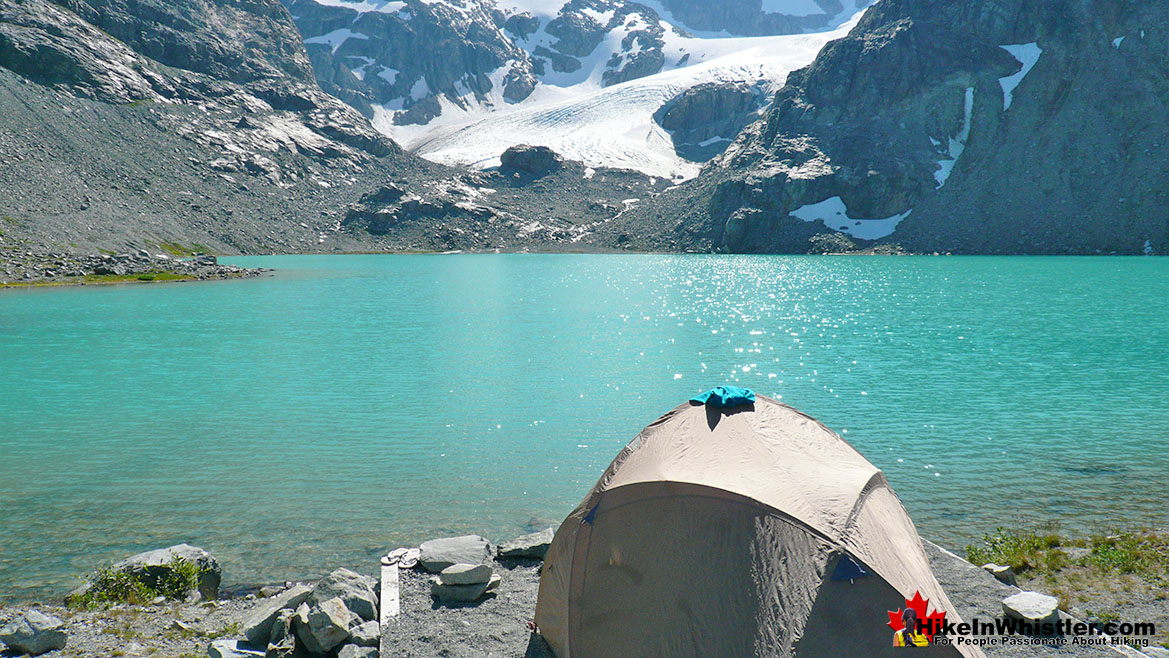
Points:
point(848, 569)
point(726, 396)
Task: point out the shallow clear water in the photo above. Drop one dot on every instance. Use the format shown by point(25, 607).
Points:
point(350, 404)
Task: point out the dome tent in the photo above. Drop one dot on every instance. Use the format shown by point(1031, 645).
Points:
point(744, 530)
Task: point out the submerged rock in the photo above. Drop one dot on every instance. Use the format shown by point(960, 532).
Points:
point(34, 633)
point(438, 554)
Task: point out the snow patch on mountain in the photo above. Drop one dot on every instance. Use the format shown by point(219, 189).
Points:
point(1027, 54)
point(957, 143)
point(336, 38)
point(834, 215)
point(364, 6)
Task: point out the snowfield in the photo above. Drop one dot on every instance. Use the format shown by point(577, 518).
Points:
point(577, 117)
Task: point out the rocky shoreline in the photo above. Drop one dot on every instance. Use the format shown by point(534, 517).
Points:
point(30, 268)
point(452, 596)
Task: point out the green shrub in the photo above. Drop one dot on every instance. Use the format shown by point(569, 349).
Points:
point(110, 586)
point(1021, 550)
point(1128, 552)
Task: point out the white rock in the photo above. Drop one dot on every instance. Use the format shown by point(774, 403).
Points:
point(466, 574)
point(1032, 607)
point(232, 649)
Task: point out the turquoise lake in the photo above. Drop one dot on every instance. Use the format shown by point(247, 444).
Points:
point(346, 405)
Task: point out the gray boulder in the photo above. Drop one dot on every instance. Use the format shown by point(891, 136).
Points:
point(153, 567)
point(1032, 607)
point(232, 649)
point(438, 554)
point(461, 593)
point(536, 160)
point(1155, 652)
point(355, 651)
point(367, 634)
point(355, 590)
point(281, 627)
point(34, 633)
point(466, 574)
point(531, 546)
point(328, 626)
point(257, 625)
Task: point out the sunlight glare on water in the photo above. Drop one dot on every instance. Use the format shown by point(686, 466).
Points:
point(350, 404)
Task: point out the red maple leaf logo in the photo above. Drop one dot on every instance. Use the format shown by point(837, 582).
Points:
point(931, 622)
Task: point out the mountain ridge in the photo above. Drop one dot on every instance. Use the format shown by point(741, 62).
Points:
point(922, 129)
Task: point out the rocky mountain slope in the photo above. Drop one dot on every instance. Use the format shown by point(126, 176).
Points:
point(458, 81)
point(188, 124)
point(183, 126)
point(1003, 126)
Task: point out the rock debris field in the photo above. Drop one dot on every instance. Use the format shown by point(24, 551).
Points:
point(458, 597)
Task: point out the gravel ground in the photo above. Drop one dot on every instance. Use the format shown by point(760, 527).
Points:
point(495, 627)
point(975, 593)
point(159, 631)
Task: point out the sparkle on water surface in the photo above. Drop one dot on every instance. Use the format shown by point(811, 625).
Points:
point(350, 404)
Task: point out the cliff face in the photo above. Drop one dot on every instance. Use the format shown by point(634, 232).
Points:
point(410, 58)
point(190, 125)
point(138, 122)
point(418, 67)
point(409, 55)
point(1004, 126)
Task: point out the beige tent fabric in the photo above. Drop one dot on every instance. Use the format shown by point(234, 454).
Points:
point(849, 619)
point(704, 568)
point(883, 537)
point(774, 454)
point(693, 491)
